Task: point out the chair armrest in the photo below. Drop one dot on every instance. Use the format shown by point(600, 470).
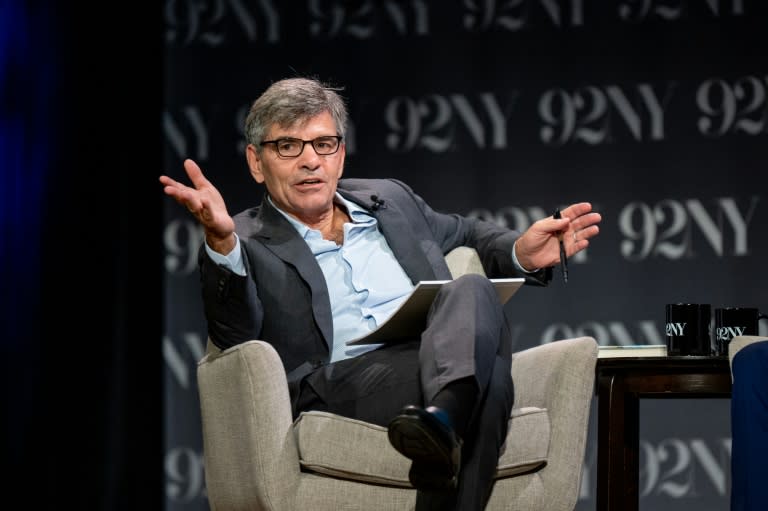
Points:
point(560, 376)
point(250, 454)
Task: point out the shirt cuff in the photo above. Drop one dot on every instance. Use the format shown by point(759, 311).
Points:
point(233, 261)
point(517, 263)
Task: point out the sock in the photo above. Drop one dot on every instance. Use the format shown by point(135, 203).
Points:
point(458, 400)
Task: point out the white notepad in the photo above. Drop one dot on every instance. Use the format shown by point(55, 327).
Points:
point(410, 319)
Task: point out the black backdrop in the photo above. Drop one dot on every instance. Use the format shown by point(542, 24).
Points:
point(654, 110)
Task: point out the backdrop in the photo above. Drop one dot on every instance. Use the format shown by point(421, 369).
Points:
point(656, 111)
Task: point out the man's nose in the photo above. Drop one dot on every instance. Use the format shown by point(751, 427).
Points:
point(309, 157)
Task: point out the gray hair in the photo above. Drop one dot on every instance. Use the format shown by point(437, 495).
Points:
point(292, 101)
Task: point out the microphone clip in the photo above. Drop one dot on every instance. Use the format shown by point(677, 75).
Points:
point(377, 203)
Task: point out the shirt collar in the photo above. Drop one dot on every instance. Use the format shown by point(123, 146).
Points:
point(357, 214)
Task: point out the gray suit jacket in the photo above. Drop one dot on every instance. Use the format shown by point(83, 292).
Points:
point(284, 298)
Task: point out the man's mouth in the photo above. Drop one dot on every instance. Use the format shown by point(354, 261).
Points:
point(309, 182)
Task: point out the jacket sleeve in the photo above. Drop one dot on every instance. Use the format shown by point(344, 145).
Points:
point(232, 306)
point(493, 243)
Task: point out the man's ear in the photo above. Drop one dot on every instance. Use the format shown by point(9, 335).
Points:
point(254, 163)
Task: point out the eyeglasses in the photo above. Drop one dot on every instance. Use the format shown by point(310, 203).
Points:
point(293, 147)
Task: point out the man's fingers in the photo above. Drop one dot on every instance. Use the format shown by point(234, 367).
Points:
point(576, 210)
point(201, 199)
point(589, 232)
point(195, 174)
point(586, 221)
point(552, 226)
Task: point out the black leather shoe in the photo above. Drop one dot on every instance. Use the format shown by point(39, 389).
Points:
point(426, 437)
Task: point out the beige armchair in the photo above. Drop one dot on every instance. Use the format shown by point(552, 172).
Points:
point(257, 458)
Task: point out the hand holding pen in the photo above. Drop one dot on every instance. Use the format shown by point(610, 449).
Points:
point(553, 240)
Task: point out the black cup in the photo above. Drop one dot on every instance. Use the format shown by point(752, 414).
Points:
point(733, 321)
point(687, 329)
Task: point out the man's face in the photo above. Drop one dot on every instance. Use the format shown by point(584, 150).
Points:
point(303, 186)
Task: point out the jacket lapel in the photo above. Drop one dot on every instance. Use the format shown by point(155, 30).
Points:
point(279, 236)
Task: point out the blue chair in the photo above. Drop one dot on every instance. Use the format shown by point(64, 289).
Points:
point(749, 423)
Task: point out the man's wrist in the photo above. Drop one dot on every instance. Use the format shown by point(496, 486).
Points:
point(517, 263)
point(223, 245)
point(232, 259)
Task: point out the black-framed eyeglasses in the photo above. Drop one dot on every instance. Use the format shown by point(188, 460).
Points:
point(292, 147)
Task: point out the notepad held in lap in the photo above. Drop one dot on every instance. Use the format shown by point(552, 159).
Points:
point(410, 319)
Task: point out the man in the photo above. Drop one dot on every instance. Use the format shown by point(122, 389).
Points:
point(322, 261)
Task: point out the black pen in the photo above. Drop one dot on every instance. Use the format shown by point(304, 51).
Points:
point(563, 258)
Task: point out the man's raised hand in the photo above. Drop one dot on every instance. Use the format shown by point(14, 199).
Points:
point(206, 204)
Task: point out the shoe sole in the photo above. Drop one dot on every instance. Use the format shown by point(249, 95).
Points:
point(411, 439)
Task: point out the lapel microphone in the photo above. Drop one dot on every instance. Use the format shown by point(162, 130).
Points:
point(377, 203)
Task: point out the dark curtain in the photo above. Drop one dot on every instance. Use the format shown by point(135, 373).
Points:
point(81, 256)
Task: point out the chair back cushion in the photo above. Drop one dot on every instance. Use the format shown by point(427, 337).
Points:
point(463, 260)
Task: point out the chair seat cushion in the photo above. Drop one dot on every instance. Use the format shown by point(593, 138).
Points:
point(351, 449)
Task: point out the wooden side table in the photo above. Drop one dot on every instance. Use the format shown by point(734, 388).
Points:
point(621, 382)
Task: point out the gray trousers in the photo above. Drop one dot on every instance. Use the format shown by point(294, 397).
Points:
point(466, 336)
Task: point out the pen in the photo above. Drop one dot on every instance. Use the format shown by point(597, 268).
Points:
point(563, 259)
